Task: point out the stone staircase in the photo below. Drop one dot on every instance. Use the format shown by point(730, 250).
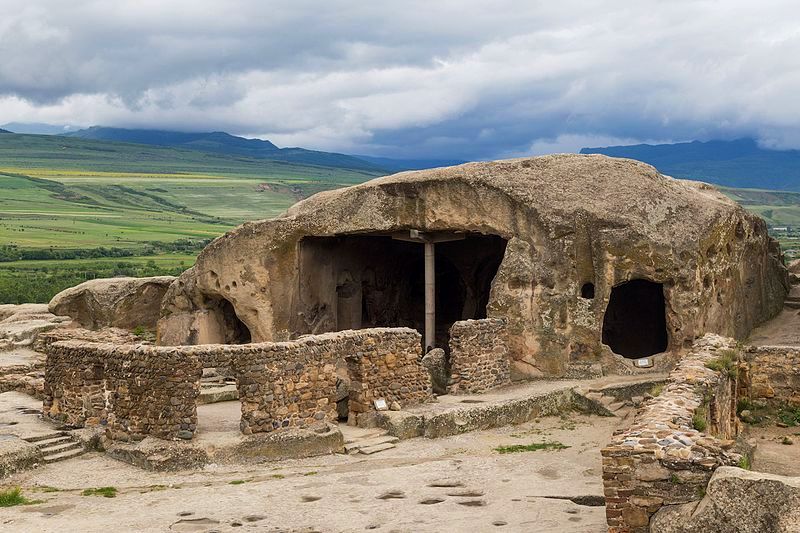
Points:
point(58, 446)
point(609, 402)
point(793, 298)
point(367, 442)
point(618, 399)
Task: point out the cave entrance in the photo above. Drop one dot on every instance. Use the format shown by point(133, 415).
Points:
point(425, 281)
point(235, 331)
point(635, 324)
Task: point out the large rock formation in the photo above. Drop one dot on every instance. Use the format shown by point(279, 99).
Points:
point(20, 325)
point(737, 501)
point(548, 243)
point(125, 303)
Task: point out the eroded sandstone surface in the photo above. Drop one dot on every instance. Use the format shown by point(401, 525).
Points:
point(113, 302)
point(544, 243)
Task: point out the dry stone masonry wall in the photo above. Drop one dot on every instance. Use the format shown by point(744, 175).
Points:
point(385, 363)
point(135, 390)
point(140, 390)
point(479, 358)
point(286, 384)
point(676, 441)
point(151, 391)
point(774, 375)
point(73, 384)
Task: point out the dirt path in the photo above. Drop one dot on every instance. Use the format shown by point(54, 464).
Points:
point(783, 330)
point(452, 484)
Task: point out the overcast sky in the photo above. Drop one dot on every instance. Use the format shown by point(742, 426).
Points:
point(461, 79)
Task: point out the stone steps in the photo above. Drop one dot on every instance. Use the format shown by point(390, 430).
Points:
point(611, 403)
point(46, 436)
point(214, 394)
point(364, 436)
point(61, 447)
point(63, 456)
point(371, 445)
point(57, 446)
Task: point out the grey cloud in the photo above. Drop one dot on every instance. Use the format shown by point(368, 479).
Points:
point(462, 79)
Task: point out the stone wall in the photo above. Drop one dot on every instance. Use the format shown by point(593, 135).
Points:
point(774, 374)
point(479, 358)
point(286, 384)
point(141, 390)
point(151, 391)
point(385, 363)
point(74, 392)
point(293, 384)
point(676, 441)
point(137, 390)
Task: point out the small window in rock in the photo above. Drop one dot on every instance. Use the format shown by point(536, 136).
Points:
point(587, 291)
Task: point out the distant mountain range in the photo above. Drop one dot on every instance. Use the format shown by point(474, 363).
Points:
point(37, 128)
point(225, 143)
point(739, 163)
point(398, 165)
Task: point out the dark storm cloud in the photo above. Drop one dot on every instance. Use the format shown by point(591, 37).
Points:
point(417, 78)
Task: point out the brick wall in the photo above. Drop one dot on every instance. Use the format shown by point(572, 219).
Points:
point(662, 459)
point(479, 358)
point(385, 363)
point(774, 374)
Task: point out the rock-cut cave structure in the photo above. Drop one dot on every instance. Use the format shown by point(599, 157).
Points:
point(595, 265)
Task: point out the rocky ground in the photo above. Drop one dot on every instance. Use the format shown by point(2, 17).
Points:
point(777, 449)
point(784, 329)
point(452, 484)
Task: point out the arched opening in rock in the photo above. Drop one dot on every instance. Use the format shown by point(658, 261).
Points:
point(236, 332)
point(635, 322)
point(587, 291)
point(373, 280)
point(218, 408)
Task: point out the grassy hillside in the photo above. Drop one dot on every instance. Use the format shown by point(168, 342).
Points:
point(125, 205)
point(224, 143)
point(65, 192)
point(781, 211)
point(74, 209)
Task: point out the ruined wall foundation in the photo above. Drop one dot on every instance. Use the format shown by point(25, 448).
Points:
point(135, 390)
point(151, 392)
point(774, 374)
point(479, 358)
point(385, 363)
point(676, 441)
point(286, 385)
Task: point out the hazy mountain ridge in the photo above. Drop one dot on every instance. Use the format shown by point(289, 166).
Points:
point(225, 143)
point(738, 163)
point(399, 165)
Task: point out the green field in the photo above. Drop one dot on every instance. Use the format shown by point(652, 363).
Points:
point(59, 193)
point(127, 209)
point(67, 192)
point(781, 211)
point(38, 281)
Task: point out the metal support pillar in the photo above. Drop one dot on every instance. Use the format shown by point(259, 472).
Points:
point(430, 295)
point(429, 241)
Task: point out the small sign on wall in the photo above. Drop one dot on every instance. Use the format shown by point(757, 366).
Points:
point(380, 404)
point(644, 362)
